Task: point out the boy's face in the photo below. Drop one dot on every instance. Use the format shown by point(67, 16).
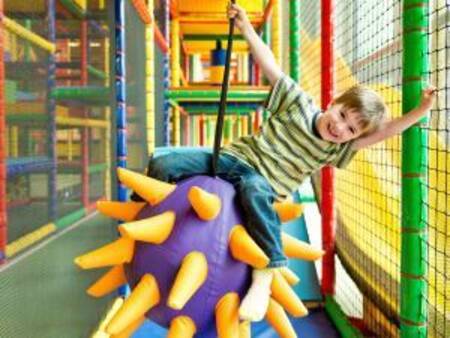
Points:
point(339, 124)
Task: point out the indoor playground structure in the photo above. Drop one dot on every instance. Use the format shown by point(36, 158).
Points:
point(91, 89)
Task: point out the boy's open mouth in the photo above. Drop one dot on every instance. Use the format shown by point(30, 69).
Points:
point(330, 131)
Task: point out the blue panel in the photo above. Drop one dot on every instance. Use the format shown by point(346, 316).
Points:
point(308, 289)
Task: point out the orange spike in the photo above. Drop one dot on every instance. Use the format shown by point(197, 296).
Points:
point(287, 211)
point(182, 327)
point(143, 297)
point(286, 297)
point(206, 205)
point(130, 329)
point(190, 277)
point(154, 229)
point(124, 211)
point(279, 320)
point(109, 282)
point(295, 248)
point(153, 191)
point(115, 253)
point(289, 275)
point(244, 248)
point(227, 316)
point(245, 330)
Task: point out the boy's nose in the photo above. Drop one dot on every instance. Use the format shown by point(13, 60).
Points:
point(339, 127)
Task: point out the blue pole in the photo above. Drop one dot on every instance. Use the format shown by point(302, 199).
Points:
point(51, 109)
point(121, 96)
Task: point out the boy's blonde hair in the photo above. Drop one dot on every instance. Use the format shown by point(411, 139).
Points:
point(367, 103)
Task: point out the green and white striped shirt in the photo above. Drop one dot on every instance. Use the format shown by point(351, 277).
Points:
point(287, 148)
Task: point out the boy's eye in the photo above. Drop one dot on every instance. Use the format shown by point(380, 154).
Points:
point(342, 114)
point(352, 130)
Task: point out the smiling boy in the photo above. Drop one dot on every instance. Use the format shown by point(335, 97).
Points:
point(297, 140)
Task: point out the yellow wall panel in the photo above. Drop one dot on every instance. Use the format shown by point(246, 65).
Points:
point(203, 6)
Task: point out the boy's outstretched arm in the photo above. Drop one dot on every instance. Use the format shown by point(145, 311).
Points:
point(397, 126)
point(260, 51)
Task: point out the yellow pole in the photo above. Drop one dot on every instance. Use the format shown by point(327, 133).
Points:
point(7, 142)
point(245, 73)
point(244, 125)
point(150, 80)
point(175, 71)
point(276, 31)
point(14, 141)
point(69, 144)
point(28, 35)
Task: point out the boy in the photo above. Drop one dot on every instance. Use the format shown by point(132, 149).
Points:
point(297, 140)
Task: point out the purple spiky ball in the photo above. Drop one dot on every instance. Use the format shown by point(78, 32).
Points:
point(190, 233)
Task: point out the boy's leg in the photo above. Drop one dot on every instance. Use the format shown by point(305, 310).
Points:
point(176, 166)
point(264, 225)
point(256, 197)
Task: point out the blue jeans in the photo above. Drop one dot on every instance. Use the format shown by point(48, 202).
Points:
point(255, 194)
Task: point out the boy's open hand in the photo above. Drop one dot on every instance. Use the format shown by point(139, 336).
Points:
point(240, 16)
point(428, 97)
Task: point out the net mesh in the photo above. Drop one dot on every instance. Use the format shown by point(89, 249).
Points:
point(438, 243)
point(43, 294)
point(368, 51)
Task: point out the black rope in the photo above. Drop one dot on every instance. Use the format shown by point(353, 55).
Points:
point(223, 98)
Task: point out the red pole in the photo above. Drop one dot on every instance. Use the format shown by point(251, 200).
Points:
point(85, 130)
point(328, 204)
point(3, 214)
point(202, 131)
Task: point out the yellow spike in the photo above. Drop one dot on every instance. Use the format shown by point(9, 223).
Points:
point(295, 248)
point(286, 297)
point(115, 253)
point(289, 275)
point(245, 329)
point(190, 277)
point(206, 205)
point(227, 316)
point(129, 330)
point(182, 327)
point(143, 297)
point(150, 189)
point(109, 282)
point(244, 248)
point(287, 211)
point(279, 320)
point(124, 211)
point(154, 229)
point(116, 305)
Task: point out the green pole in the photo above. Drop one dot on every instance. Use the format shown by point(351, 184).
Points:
point(413, 286)
point(27, 47)
point(266, 30)
point(294, 39)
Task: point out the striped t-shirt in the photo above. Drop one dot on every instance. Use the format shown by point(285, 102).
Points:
point(287, 148)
